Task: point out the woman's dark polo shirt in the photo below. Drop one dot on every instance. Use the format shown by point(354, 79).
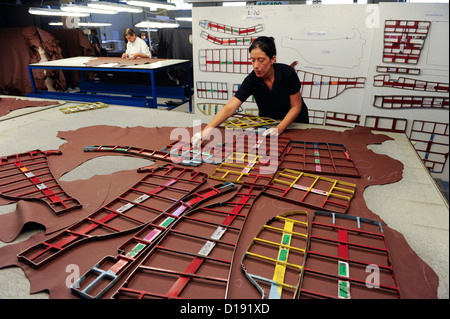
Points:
point(274, 103)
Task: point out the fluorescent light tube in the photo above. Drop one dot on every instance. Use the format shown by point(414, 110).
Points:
point(85, 9)
point(114, 6)
point(152, 4)
point(55, 12)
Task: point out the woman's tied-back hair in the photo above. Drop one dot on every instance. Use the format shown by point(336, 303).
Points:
point(266, 44)
point(128, 31)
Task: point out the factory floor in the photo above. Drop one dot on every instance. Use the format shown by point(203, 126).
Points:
point(37, 128)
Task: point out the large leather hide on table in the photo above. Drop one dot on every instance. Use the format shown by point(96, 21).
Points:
point(415, 278)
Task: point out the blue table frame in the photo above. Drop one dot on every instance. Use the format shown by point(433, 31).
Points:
point(122, 94)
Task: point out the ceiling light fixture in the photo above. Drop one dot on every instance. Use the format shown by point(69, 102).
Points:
point(55, 12)
point(85, 9)
point(152, 4)
point(114, 6)
point(157, 23)
point(84, 24)
point(188, 19)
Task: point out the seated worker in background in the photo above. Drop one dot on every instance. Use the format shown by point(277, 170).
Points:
point(136, 47)
point(275, 87)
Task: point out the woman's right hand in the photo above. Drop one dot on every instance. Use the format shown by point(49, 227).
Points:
point(196, 140)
